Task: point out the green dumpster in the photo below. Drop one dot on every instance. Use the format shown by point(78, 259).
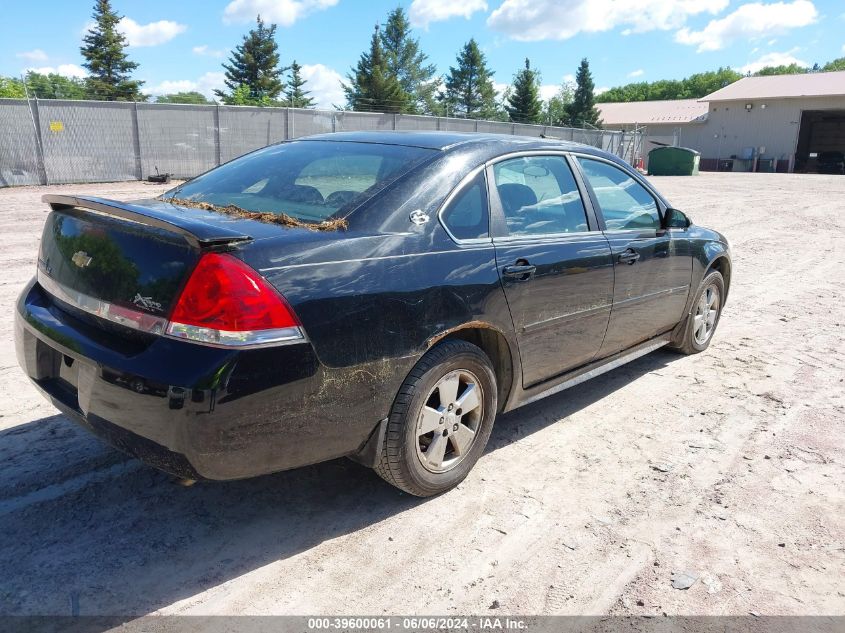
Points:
point(673, 161)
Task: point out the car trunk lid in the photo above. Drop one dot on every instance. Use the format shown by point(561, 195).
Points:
point(122, 261)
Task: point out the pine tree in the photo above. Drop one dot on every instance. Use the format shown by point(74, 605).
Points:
point(295, 96)
point(255, 65)
point(469, 86)
point(582, 111)
point(408, 64)
point(105, 58)
point(524, 104)
point(372, 87)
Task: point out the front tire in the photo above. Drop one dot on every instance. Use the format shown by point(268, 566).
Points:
point(440, 421)
point(704, 317)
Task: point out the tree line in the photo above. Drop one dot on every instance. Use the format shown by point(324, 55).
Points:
point(702, 84)
point(392, 75)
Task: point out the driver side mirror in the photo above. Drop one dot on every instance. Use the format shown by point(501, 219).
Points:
point(675, 219)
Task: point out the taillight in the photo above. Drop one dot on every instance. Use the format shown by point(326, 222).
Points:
point(227, 303)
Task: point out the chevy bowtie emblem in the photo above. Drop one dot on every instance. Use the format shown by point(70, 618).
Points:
point(81, 259)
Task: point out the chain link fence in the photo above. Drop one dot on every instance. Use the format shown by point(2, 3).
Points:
point(51, 142)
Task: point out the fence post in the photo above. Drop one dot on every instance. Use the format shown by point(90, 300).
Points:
point(334, 122)
point(476, 125)
point(217, 152)
point(39, 147)
point(136, 142)
point(288, 125)
point(394, 120)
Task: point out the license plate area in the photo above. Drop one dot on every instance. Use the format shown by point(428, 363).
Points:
point(57, 374)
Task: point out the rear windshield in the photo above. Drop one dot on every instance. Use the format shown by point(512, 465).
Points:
point(311, 181)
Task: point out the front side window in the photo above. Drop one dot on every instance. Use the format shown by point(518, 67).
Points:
point(310, 181)
point(539, 196)
point(625, 203)
point(467, 216)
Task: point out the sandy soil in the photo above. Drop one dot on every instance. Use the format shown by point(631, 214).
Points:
point(729, 465)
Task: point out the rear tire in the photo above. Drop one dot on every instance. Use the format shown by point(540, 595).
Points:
point(440, 421)
point(704, 316)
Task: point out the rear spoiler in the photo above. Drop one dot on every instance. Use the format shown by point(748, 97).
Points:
point(198, 233)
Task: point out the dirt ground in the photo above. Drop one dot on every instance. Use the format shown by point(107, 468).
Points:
point(729, 465)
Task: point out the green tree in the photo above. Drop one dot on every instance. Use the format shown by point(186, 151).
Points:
point(582, 110)
point(11, 88)
point(469, 85)
point(295, 95)
point(191, 96)
point(555, 112)
point(523, 102)
point(106, 60)
point(372, 87)
point(836, 64)
point(407, 63)
point(791, 69)
point(54, 86)
point(255, 65)
point(693, 87)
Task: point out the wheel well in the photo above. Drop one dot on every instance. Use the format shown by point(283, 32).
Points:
point(498, 351)
point(722, 265)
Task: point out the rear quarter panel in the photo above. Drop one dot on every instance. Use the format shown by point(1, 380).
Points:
point(371, 305)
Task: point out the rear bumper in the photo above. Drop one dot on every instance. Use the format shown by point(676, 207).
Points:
point(188, 409)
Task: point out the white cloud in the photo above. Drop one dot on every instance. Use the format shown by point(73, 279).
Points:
point(547, 91)
point(284, 12)
point(35, 55)
point(324, 85)
point(639, 72)
point(67, 70)
point(206, 84)
point(750, 21)
point(205, 51)
point(424, 12)
point(773, 59)
point(151, 34)
point(532, 20)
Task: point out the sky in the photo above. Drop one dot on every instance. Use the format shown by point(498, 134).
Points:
point(180, 44)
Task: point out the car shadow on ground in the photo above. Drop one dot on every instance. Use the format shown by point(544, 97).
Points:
point(123, 538)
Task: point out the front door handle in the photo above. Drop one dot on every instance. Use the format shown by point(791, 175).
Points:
point(521, 270)
point(628, 256)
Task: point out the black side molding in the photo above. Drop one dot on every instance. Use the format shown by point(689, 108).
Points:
point(199, 234)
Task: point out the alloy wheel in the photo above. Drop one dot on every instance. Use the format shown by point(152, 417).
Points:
point(706, 312)
point(448, 424)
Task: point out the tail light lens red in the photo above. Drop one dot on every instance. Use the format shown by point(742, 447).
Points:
point(227, 303)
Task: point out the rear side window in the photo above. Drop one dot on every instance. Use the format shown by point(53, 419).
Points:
point(308, 180)
point(625, 203)
point(539, 196)
point(467, 216)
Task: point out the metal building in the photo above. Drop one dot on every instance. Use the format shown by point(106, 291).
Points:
point(778, 123)
point(781, 122)
point(676, 123)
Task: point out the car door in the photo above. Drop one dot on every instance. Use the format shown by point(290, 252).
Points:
point(554, 263)
point(652, 265)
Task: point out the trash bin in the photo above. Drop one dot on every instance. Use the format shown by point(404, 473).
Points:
point(673, 161)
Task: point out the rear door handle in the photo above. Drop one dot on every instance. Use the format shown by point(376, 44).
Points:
point(520, 271)
point(628, 256)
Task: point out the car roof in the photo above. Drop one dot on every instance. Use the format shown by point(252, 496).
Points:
point(448, 140)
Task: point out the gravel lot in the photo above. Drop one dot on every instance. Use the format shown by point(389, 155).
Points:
point(724, 465)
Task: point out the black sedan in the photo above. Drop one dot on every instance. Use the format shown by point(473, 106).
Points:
point(380, 296)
